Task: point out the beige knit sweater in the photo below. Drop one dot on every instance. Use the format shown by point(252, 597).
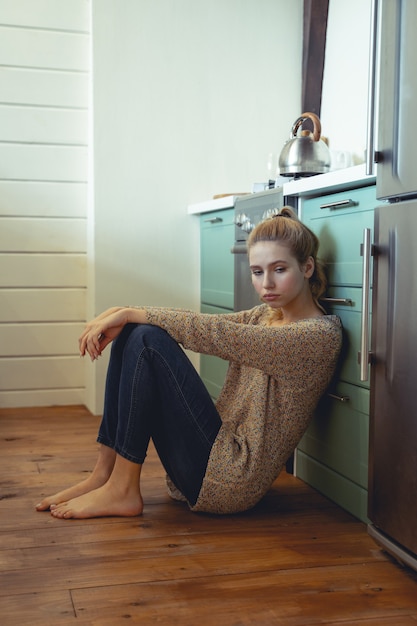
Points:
point(275, 378)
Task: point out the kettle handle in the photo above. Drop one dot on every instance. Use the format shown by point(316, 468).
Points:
point(307, 116)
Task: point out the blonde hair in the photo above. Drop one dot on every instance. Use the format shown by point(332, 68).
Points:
point(286, 228)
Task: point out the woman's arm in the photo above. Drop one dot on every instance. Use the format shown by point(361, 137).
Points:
point(107, 326)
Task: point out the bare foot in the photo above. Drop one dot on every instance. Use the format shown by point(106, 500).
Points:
point(85, 486)
point(99, 476)
point(106, 501)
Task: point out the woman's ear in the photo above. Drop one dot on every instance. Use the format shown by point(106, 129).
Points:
point(309, 267)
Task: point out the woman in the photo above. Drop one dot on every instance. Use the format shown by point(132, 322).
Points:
point(223, 457)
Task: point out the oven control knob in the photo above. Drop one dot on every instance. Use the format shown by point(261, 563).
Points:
point(248, 226)
point(240, 219)
point(270, 213)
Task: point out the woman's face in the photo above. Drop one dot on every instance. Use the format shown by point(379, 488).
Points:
point(277, 277)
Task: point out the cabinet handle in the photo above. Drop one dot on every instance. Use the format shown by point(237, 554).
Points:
point(338, 398)
point(364, 347)
point(213, 220)
point(340, 204)
point(346, 301)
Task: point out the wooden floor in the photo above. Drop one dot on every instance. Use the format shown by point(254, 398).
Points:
point(296, 559)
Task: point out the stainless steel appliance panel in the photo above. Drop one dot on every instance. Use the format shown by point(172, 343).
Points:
point(393, 429)
point(396, 142)
point(249, 211)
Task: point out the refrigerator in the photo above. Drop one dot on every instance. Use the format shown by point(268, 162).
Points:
point(392, 504)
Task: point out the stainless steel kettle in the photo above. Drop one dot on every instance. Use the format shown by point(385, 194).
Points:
point(305, 153)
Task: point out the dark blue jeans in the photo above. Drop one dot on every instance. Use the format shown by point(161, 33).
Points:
point(153, 391)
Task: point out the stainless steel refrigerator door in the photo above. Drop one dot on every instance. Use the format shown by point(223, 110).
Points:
point(396, 121)
point(393, 425)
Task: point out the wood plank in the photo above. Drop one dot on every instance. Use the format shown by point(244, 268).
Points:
point(27, 234)
point(43, 87)
point(46, 14)
point(45, 163)
point(43, 125)
point(37, 609)
point(40, 339)
point(46, 49)
point(43, 270)
point(40, 372)
point(280, 597)
point(43, 199)
point(43, 305)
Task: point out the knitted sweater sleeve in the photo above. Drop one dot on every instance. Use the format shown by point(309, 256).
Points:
point(239, 337)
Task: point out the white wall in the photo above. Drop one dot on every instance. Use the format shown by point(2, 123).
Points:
point(345, 81)
point(44, 88)
point(190, 97)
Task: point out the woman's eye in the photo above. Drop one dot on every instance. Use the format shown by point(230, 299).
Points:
point(279, 269)
point(256, 272)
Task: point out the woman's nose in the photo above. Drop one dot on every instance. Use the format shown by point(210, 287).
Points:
point(268, 282)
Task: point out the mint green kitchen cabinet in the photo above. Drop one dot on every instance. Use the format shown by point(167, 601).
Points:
point(333, 454)
point(217, 283)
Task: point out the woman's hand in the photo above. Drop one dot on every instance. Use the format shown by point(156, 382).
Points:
point(102, 330)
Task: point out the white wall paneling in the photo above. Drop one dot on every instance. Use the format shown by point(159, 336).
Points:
point(39, 339)
point(43, 199)
point(44, 173)
point(43, 125)
point(43, 88)
point(61, 372)
point(45, 49)
point(55, 14)
point(43, 270)
point(43, 162)
point(23, 234)
point(42, 305)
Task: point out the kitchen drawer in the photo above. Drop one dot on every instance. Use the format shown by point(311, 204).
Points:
point(340, 232)
point(349, 309)
point(212, 369)
point(341, 203)
point(338, 435)
point(217, 261)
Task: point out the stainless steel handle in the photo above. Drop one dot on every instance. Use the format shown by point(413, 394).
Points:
point(392, 304)
point(239, 248)
point(346, 301)
point(364, 347)
point(214, 220)
point(341, 204)
point(370, 134)
point(338, 398)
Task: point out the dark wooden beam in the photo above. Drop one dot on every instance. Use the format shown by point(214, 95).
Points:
point(314, 48)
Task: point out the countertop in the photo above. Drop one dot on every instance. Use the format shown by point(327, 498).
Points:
point(337, 180)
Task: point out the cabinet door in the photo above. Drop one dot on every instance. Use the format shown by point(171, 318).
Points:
point(338, 435)
point(333, 454)
point(217, 261)
point(339, 221)
point(212, 369)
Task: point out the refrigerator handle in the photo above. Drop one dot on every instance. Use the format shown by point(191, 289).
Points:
point(370, 135)
point(364, 347)
point(391, 301)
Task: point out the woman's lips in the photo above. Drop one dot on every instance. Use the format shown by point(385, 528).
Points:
point(270, 296)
